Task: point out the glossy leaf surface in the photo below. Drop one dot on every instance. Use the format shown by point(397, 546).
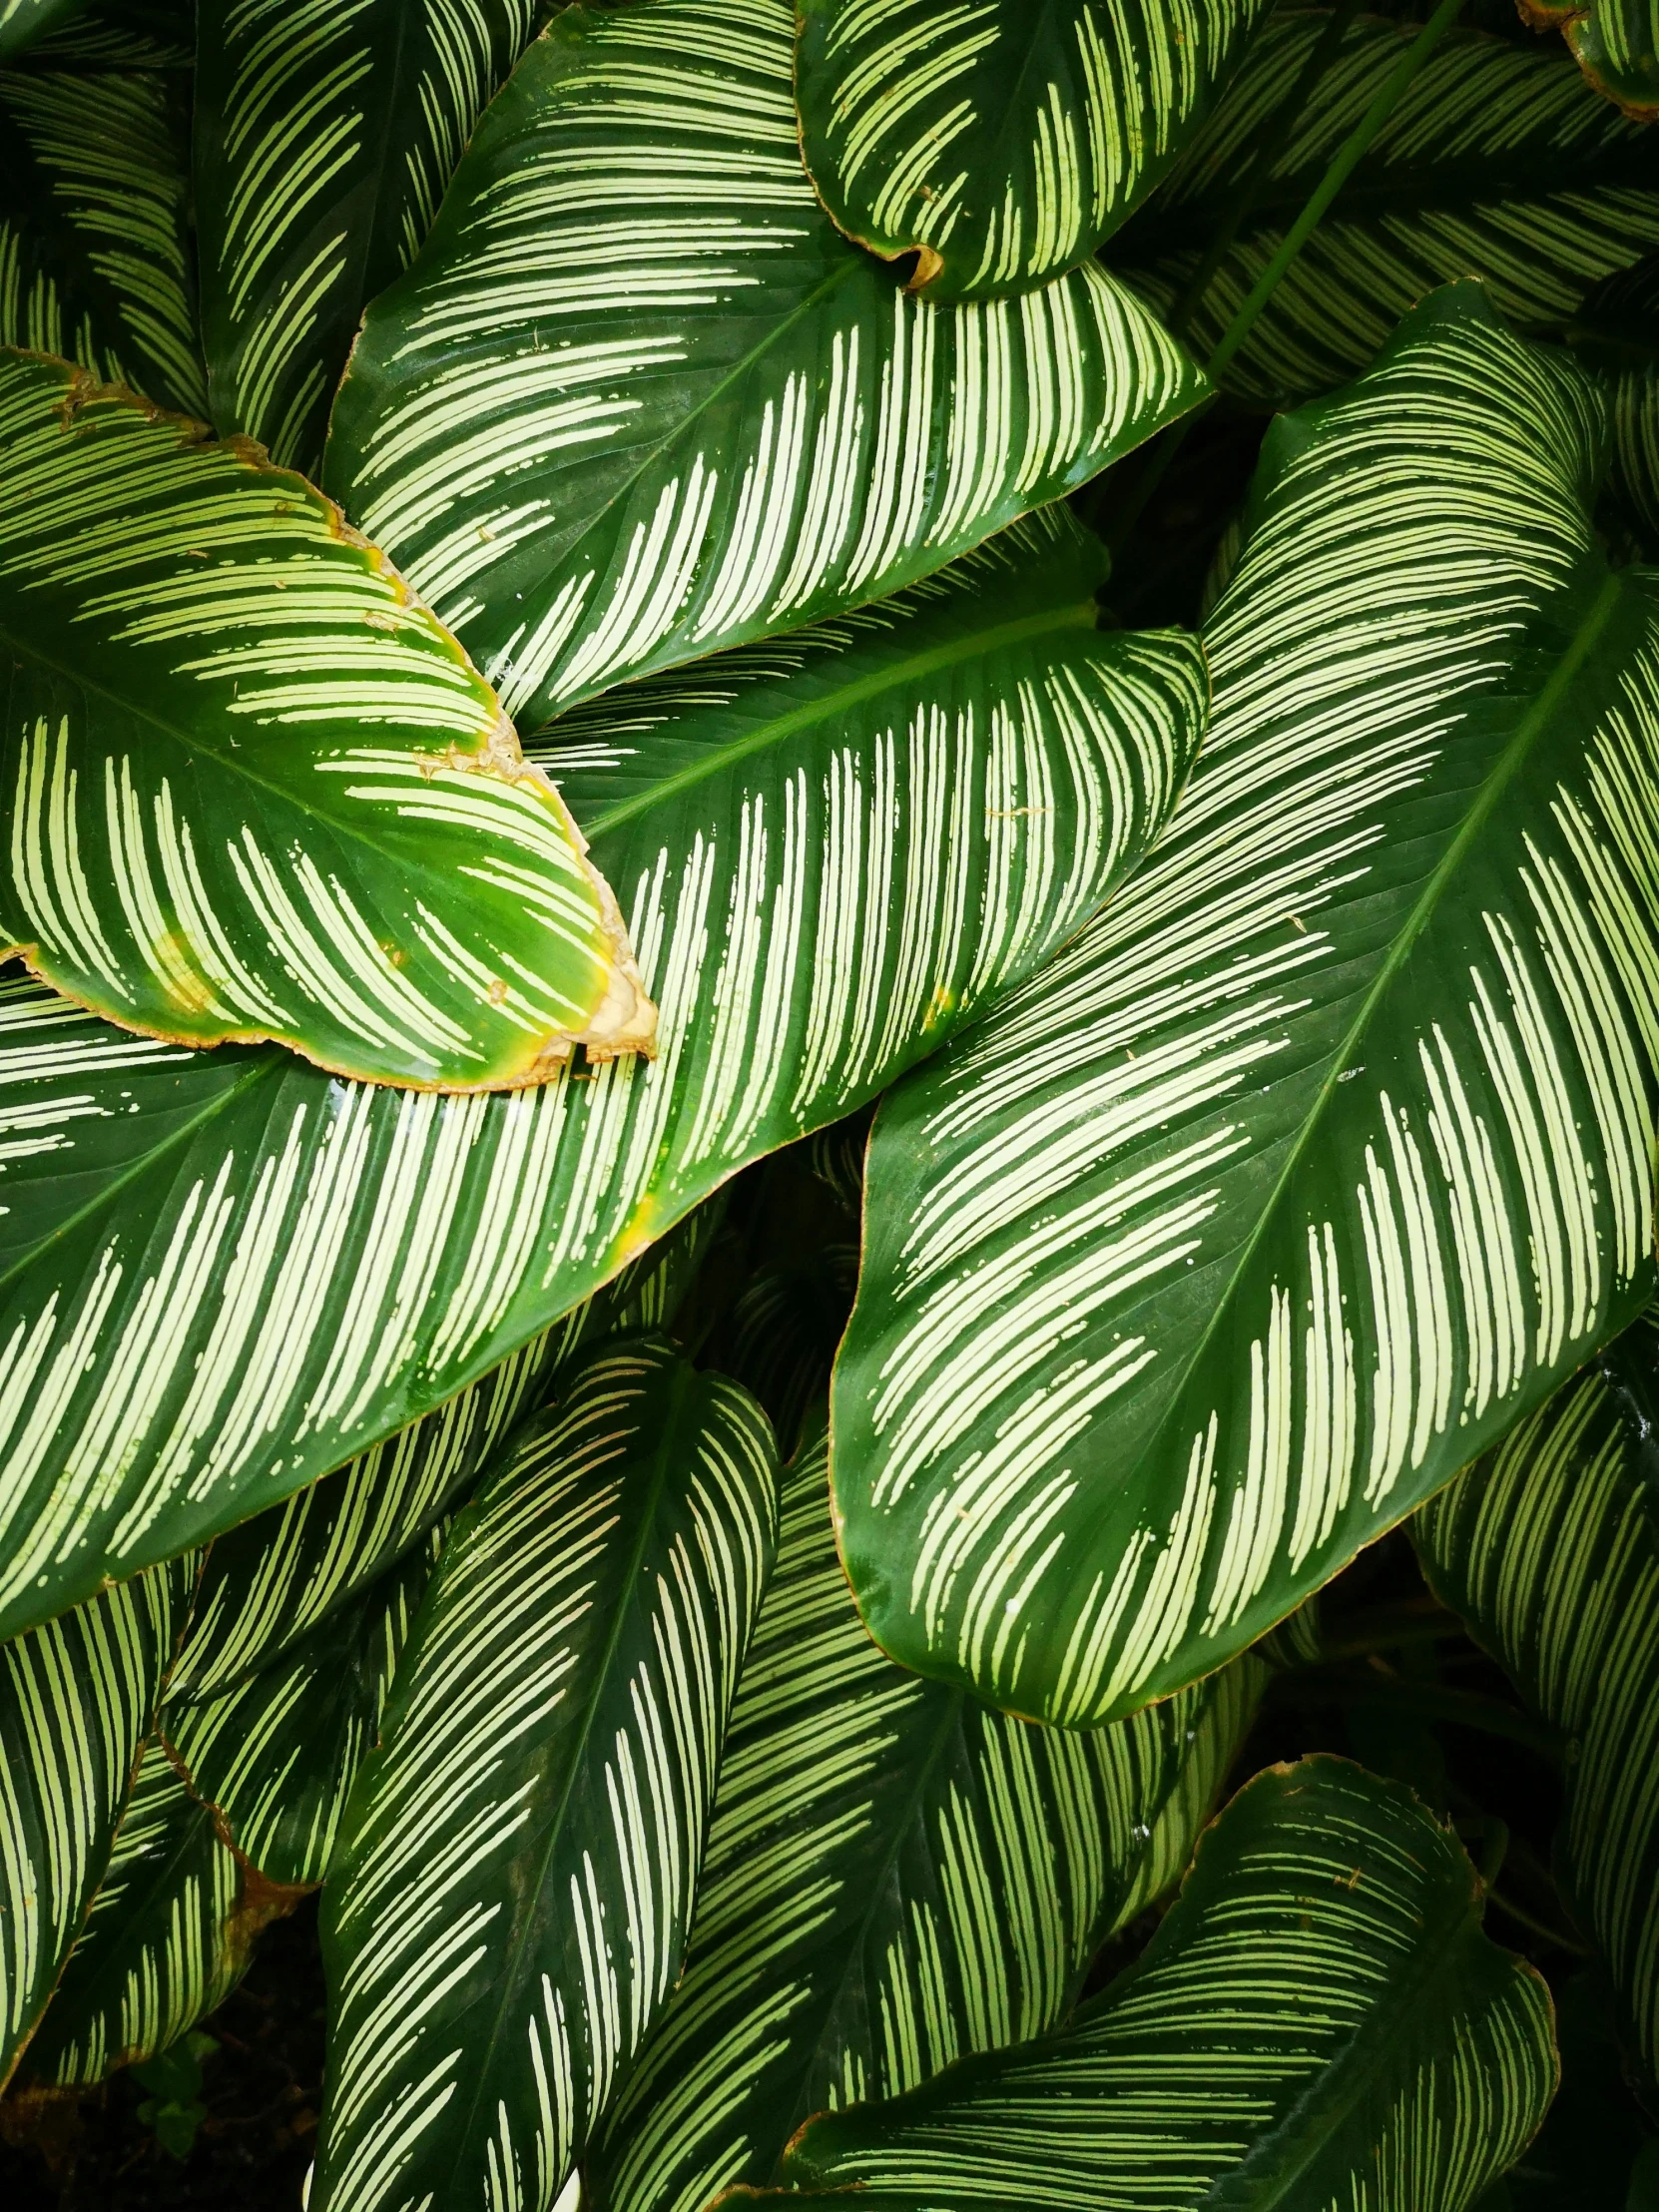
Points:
point(895, 1877)
point(255, 790)
point(275, 1757)
point(1614, 42)
point(1499, 162)
point(509, 1904)
point(1001, 142)
point(832, 854)
point(1317, 2022)
point(76, 1698)
point(325, 131)
point(1549, 1549)
point(274, 1582)
point(636, 398)
point(168, 1937)
point(22, 21)
point(1327, 1151)
point(94, 243)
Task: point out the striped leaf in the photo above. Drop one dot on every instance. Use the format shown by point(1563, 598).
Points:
point(76, 1698)
point(1326, 1152)
point(1614, 42)
point(273, 1583)
point(22, 21)
point(398, 896)
point(998, 142)
point(1617, 329)
point(895, 1877)
point(1498, 162)
point(325, 133)
point(95, 259)
point(122, 34)
point(275, 1757)
point(168, 1939)
point(1550, 1548)
point(220, 1280)
point(1319, 2021)
point(637, 397)
point(508, 1904)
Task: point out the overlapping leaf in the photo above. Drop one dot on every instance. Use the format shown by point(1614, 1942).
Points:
point(169, 1935)
point(509, 1904)
point(270, 1584)
point(275, 1756)
point(1617, 329)
point(1318, 2020)
point(255, 790)
point(325, 131)
point(76, 1698)
point(22, 21)
point(1614, 42)
point(1326, 1153)
point(1498, 162)
point(225, 1271)
point(1001, 143)
point(636, 398)
point(96, 258)
point(895, 1877)
point(1550, 1548)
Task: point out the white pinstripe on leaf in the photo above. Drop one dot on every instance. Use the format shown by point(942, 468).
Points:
point(1327, 1151)
point(1000, 141)
point(254, 789)
point(636, 398)
point(1319, 2021)
point(509, 1906)
point(272, 1271)
point(895, 1877)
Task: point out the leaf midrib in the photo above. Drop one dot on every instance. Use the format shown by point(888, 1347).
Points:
point(912, 670)
point(1513, 758)
point(682, 1380)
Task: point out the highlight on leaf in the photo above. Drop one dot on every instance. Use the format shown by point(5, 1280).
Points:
point(256, 791)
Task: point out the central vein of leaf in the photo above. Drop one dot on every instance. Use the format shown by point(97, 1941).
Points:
point(836, 705)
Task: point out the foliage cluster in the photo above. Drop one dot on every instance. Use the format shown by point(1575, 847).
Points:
point(831, 917)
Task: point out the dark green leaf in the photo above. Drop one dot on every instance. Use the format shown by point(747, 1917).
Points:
point(1614, 42)
point(1319, 2021)
point(227, 1272)
point(255, 790)
point(894, 1876)
point(1497, 163)
point(324, 138)
point(637, 397)
point(22, 21)
point(509, 1906)
point(1327, 1151)
point(1001, 142)
point(1550, 1548)
point(76, 1698)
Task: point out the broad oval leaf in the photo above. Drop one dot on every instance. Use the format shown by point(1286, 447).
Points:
point(22, 21)
point(273, 1582)
point(1326, 1152)
point(636, 398)
point(95, 222)
point(324, 138)
point(1614, 42)
point(77, 1699)
point(1498, 162)
point(509, 1906)
point(169, 1937)
point(1001, 143)
point(1549, 1549)
point(275, 1757)
point(1319, 2020)
point(218, 1279)
point(255, 790)
point(895, 1877)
